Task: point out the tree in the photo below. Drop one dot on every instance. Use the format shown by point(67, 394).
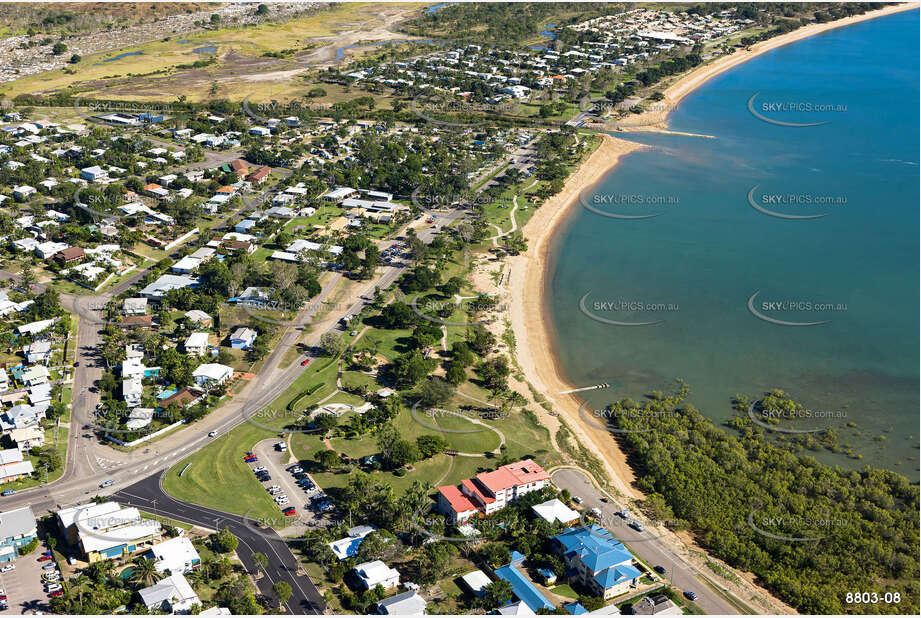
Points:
point(325, 422)
point(497, 594)
point(402, 453)
point(332, 344)
point(225, 541)
point(326, 458)
point(410, 367)
point(58, 49)
point(145, 572)
point(262, 10)
point(435, 391)
point(455, 374)
point(282, 591)
point(75, 59)
point(260, 560)
point(430, 445)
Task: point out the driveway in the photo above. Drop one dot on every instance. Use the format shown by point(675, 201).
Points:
point(645, 545)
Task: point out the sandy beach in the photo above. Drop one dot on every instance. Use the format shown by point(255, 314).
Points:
point(527, 273)
point(657, 119)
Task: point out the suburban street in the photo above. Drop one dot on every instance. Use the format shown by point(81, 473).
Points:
point(645, 545)
point(305, 598)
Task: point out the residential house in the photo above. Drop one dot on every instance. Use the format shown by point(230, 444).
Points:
point(404, 604)
point(134, 306)
point(176, 555)
point(522, 587)
point(132, 391)
point(242, 338)
point(554, 511)
point(172, 594)
point(159, 288)
point(197, 343)
point(35, 375)
point(212, 374)
point(376, 573)
point(198, 317)
point(69, 255)
point(94, 174)
point(139, 418)
point(258, 177)
point(13, 466)
point(37, 352)
point(347, 547)
point(476, 582)
point(17, 528)
point(597, 560)
point(489, 492)
point(658, 605)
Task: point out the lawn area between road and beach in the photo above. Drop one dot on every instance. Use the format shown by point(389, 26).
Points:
point(217, 476)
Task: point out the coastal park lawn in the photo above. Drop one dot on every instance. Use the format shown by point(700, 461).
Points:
point(219, 478)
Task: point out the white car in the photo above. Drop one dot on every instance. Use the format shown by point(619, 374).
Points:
point(7, 568)
point(53, 587)
point(211, 434)
point(577, 499)
point(259, 469)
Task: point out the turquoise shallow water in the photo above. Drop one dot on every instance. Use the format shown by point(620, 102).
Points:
point(694, 267)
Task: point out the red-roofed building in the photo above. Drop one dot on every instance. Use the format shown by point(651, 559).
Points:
point(258, 177)
point(455, 504)
point(239, 167)
point(489, 492)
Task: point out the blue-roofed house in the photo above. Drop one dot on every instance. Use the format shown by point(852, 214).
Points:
point(347, 547)
point(575, 608)
point(597, 560)
point(522, 587)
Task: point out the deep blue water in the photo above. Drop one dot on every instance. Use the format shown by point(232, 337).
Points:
point(709, 250)
point(120, 56)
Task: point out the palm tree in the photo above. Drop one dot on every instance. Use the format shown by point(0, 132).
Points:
point(79, 585)
point(145, 572)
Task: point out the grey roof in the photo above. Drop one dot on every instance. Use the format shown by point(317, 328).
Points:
point(17, 522)
point(404, 604)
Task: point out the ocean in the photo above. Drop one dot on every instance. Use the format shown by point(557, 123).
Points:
point(782, 253)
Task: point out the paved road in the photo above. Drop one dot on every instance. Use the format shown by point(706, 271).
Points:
point(283, 566)
point(645, 545)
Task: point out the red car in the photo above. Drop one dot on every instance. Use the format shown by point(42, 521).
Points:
point(305, 362)
point(56, 593)
point(290, 512)
point(2, 597)
point(44, 558)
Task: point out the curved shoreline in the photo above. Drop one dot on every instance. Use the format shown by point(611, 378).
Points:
point(685, 85)
point(536, 342)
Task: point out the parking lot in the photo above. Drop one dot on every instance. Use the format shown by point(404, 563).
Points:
point(23, 586)
point(276, 463)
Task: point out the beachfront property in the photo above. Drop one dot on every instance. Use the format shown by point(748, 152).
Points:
point(489, 492)
point(17, 528)
point(107, 530)
point(597, 560)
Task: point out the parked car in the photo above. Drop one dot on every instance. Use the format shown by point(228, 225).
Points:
point(294, 468)
point(659, 569)
point(577, 499)
point(56, 593)
point(7, 568)
point(44, 558)
point(636, 525)
point(108, 483)
point(690, 594)
point(260, 469)
point(290, 511)
point(8, 492)
point(305, 362)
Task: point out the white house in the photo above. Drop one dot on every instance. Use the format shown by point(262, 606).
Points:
point(374, 573)
point(172, 594)
point(177, 555)
point(197, 343)
point(211, 374)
